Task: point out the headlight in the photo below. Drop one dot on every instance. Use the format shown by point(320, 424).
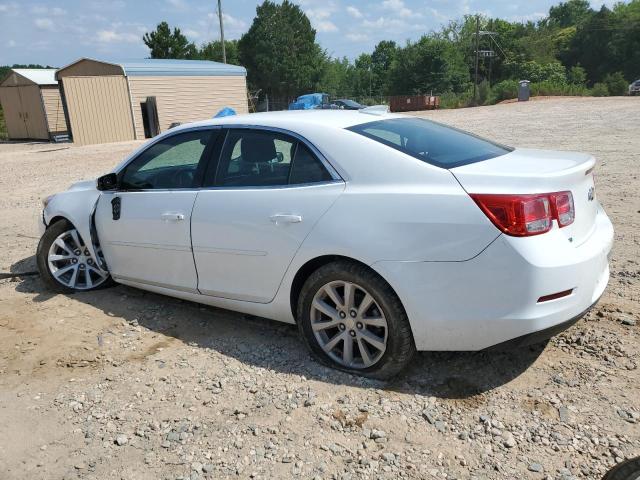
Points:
point(46, 200)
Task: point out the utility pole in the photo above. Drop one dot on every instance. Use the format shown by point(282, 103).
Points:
point(224, 53)
point(475, 83)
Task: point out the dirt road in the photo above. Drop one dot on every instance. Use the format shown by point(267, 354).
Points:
point(121, 383)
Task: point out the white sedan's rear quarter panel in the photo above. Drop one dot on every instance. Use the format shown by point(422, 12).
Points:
point(494, 297)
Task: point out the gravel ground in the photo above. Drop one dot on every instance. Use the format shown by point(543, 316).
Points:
point(121, 383)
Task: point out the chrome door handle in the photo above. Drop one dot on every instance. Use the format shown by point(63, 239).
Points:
point(285, 218)
point(172, 217)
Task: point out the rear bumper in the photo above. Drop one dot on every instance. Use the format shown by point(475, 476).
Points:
point(493, 298)
point(539, 336)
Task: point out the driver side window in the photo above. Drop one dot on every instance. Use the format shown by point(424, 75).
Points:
point(169, 163)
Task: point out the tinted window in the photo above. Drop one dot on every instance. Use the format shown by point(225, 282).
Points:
point(253, 158)
point(431, 142)
point(256, 158)
point(307, 168)
point(169, 163)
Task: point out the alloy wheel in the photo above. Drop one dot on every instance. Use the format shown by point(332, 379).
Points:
point(72, 265)
point(349, 325)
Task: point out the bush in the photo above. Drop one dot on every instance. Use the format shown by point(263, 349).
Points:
point(484, 92)
point(537, 72)
point(557, 88)
point(577, 75)
point(504, 90)
point(616, 83)
point(600, 90)
point(456, 100)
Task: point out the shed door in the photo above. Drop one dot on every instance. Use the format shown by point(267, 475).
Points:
point(99, 109)
point(13, 115)
point(33, 111)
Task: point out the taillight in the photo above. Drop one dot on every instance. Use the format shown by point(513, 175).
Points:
point(526, 215)
point(562, 208)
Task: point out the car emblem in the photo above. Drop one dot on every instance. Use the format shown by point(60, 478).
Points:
point(591, 194)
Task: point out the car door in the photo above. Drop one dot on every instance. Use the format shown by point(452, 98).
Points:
point(144, 225)
point(256, 208)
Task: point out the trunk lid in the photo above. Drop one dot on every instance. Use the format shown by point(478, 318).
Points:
point(528, 171)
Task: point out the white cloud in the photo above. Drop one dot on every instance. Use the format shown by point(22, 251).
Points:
point(190, 33)
point(398, 8)
point(9, 8)
point(43, 23)
point(321, 18)
point(112, 36)
point(354, 12)
point(233, 22)
point(392, 25)
point(357, 37)
point(179, 4)
point(12, 43)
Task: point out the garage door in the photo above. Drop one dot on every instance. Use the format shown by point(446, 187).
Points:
point(99, 109)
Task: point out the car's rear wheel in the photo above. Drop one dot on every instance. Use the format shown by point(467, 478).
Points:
point(352, 320)
point(65, 263)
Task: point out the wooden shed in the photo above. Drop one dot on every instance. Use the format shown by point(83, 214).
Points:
point(32, 104)
point(119, 101)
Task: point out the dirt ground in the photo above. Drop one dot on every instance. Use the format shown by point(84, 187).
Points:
point(123, 384)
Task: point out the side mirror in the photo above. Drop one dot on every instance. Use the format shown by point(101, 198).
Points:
point(107, 182)
point(280, 157)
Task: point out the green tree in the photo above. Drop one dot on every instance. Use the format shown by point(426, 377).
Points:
point(569, 13)
point(383, 56)
point(280, 51)
point(213, 51)
point(430, 64)
point(164, 43)
point(590, 46)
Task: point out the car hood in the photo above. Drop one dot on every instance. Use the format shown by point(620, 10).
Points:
point(83, 185)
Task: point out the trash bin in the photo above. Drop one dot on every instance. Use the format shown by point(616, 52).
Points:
point(523, 90)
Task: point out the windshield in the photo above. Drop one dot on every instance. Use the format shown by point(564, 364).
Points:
point(349, 103)
point(431, 142)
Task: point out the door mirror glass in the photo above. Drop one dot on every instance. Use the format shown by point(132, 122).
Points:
point(108, 182)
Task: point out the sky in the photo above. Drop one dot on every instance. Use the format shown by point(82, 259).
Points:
point(59, 32)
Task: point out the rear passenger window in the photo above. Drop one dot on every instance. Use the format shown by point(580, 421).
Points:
point(254, 159)
point(257, 158)
point(307, 168)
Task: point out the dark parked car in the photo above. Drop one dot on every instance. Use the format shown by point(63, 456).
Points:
point(634, 88)
point(346, 104)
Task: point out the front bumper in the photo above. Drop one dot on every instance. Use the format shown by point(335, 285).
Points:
point(493, 297)
point(42, 226)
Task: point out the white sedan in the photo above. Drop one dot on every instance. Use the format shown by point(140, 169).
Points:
point(377, 234)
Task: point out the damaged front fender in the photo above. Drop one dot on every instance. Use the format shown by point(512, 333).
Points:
point(78, 205)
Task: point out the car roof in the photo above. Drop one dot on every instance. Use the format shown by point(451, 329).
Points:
point(290, 119)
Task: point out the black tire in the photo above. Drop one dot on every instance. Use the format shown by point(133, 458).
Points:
point(49, 236)
point(400, 347)
point(627, 470)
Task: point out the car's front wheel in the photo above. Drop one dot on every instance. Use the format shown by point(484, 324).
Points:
point(65, 263)
point(352, 320)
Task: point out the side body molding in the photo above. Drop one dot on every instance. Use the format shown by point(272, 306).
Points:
point(77, 205)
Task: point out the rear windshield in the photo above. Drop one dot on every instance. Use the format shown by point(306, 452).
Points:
point(431, 142)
